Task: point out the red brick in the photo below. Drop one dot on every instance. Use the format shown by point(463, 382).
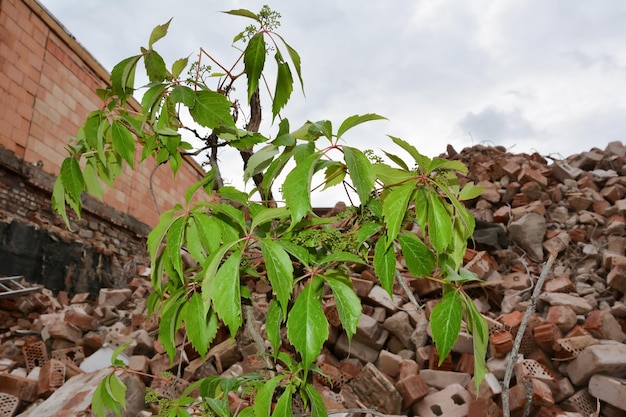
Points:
point(23, 388)
point(412, 389)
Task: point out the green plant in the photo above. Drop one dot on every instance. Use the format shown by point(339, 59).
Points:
point(414, 209)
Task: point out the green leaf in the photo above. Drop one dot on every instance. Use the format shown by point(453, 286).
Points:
point(442, 164)
point(201, 329)
point(158, 32)
point(439, 223)
point(366, 231)
point(58, 201)
point(355, 120)
point(307, 326)
point(422, 161)
point(92, 184)
point(391, 176)
point(265, 394)
point(297, 188)
point(419, 259)
point(72, 178)
point(284, 85)
point(244, 13)
point(155, 66)
point(348, 303)
point(318, 408)
point(385, 263)
point(395, 207)
point(97, 401)
point(183, 94)
point(296, 251)
point(399, 161)
point(170, 314)
point(123, 142)
point(470, 191)
point(226, 294)
point(279, 271)
point(150, 99)
point(268, 214)
point(194, 241)
point(273, 320)
point(341, 257)
point(361, 172)
point(178, 66)
point(123, 76)
point(283, 405)
point(212, 110)
point(233, 194)
point(334, 174)
point(295, 59)
point(218, 407)
point(117, 389)
point(259, 161)
point(254, 61)
point(477, 326)
point(175, 236)
point(445, 323)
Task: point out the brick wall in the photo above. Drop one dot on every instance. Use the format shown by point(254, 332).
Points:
point(47, 88)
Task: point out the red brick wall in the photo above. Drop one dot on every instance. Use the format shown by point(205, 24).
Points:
point(47, 83)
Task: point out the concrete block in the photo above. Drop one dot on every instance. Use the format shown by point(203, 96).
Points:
point(610, 358)
point(452, 401)
point(609, 389)
point(442, 379)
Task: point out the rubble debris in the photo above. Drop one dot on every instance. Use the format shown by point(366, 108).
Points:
point(53, 348)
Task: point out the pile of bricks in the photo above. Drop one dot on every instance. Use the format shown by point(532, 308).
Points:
point(572, 358)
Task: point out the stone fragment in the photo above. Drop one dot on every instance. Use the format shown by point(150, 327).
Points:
point(528, 232)
point(114, 297)
point(578, 304)
point(399, 325)
point(563, 316)
point(441, 379)
point(380, 297)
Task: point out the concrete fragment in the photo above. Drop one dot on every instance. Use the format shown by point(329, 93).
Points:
point(602, 325)
point(609, 389)
point(609, 358)
point(528, 232)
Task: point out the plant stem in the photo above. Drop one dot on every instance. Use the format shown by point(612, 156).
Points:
point(520, 333)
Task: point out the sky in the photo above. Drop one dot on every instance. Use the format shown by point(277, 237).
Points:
point(529, 75)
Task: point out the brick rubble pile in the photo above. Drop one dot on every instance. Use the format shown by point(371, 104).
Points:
point(54, 349)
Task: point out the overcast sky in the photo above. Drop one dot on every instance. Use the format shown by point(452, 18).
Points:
point(531, 75)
